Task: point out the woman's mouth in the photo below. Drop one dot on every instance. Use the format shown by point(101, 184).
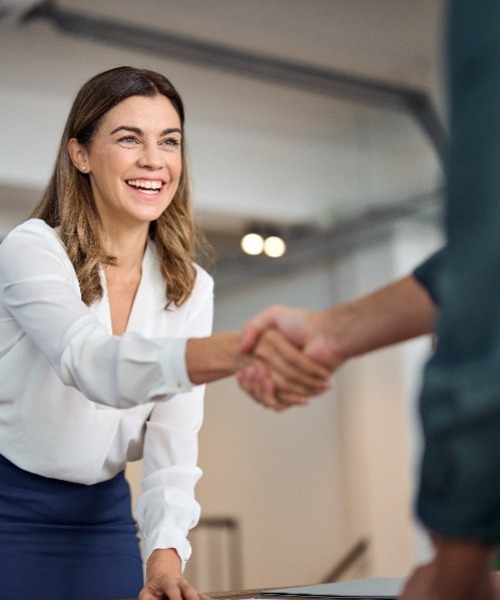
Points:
point(148, 186)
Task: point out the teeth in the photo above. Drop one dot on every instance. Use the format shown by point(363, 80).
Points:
point(145, 184)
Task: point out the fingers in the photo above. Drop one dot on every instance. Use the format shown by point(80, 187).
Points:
point(292, 370)
point(258, 383)
point(256, 326)
point(298, 365)
point(187, 591)
point(173, 588)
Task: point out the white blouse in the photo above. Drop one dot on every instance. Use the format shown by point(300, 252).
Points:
point(77, 403)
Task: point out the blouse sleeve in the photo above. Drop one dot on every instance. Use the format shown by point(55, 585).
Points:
point(39, 288)
point(167, 510)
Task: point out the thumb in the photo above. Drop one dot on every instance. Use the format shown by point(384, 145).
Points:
point(256, 326)
point(321, 351)
point(249, 337)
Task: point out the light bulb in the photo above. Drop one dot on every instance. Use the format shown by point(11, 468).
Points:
point(252, 243)
point(274, 246)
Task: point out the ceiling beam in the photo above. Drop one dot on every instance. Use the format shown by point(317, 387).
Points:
point(12, 10)
point(313, 245)
point(314, 79)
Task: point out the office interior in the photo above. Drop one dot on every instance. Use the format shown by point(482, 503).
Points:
point(323, 122)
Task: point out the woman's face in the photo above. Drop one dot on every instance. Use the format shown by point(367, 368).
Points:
point(134, 161)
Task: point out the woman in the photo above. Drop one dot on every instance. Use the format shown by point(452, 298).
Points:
point(105, 332)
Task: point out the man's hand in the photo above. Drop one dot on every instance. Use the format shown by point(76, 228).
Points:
point(395, 313)
point(305, 328)
point(460, 570)
point(278, 374)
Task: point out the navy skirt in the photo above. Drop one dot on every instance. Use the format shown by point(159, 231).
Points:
point(66, 541)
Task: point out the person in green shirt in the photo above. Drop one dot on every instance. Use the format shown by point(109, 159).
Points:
point(455, 294)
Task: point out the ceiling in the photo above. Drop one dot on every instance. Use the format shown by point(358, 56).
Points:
point(300, 114)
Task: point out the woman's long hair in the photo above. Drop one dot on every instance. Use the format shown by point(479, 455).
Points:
point(68, 202)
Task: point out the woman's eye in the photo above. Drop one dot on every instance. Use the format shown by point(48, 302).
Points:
point(128, 139)
point(172, 142)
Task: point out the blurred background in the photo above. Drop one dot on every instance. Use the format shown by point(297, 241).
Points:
point(318, 122)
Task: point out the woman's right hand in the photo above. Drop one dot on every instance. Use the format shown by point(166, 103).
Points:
point(278, 375)
point(275, 372)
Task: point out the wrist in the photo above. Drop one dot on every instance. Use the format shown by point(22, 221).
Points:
point(337, 325)
point(215, 357)
point(163, 561)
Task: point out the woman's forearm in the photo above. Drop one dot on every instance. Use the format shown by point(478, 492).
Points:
point(211, 358)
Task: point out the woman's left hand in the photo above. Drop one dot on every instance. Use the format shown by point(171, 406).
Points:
point(173, 587)
point(164, 578)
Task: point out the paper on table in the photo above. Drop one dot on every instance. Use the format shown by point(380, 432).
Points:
point(378, 588)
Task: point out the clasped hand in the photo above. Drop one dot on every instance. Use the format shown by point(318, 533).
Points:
point(278, 374)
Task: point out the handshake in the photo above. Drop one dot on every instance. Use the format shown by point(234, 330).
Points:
point(284, 356)
point(289, 359)
point(281, 358)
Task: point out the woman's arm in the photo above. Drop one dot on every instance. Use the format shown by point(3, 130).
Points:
point(39, 288)
point(290, 371)
point(164, 578)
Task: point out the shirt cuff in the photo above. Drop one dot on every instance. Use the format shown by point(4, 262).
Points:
point(174, 366)
point(167, 510)
point(163, 539)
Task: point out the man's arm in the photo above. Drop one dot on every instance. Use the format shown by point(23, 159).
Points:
point(398, 312)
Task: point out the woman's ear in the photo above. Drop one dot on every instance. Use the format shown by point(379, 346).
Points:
point(78, 155)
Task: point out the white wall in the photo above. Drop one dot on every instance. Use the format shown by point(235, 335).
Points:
point(277, 472)
point(377, 396)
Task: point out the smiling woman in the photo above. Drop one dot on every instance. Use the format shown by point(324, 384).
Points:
point(134, 170)
point(105, 336)
point(120, 123)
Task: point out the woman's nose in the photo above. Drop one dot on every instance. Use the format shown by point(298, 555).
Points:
point(150, 157)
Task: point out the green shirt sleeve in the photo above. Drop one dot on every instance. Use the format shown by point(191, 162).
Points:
point(428, 273)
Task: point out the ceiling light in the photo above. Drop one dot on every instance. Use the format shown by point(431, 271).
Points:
point(252, 243)
point(274, 246)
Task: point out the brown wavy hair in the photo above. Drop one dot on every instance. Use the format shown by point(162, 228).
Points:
point(68, 203)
